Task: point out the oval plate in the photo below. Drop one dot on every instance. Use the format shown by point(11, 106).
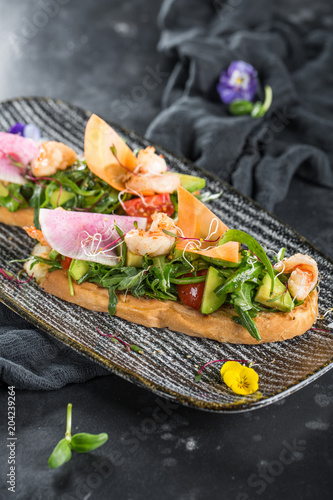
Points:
point(170, 360)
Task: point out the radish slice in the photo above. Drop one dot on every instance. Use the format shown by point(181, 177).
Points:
point(20, 149)
point(86, 236)
point(10, 172)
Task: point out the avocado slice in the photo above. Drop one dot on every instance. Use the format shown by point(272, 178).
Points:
point(78, 268)
point(210, 301)
point(177, 253)
point(3, 190)
point(64, 197)
point(133, 260)
point(191, 183)
point(221, 262)
point(263, 296)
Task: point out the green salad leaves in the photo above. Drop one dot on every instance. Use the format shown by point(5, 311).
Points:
point(75, 188)
point(159, 278)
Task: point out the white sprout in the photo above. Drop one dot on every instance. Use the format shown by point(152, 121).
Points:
point(281, 272)
point(329, 311)
point(99, 244)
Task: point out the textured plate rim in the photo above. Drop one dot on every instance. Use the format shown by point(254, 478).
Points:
point(132, 376)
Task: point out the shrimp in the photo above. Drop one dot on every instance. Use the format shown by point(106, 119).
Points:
point(149, 162)
point(303, 277)
point(53, 156)
point(150, 175)
point(149, 184)
point(153, 242)
point(39, 270)
point(36, 234)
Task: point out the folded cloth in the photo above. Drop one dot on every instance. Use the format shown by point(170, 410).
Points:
point(292, 50)
point(31, 359)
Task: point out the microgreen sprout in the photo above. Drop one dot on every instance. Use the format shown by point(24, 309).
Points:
point(174, 235)
point(319, 330)
point(11, 277)
point(329, 311)
point(14, 162)
point(199, 372)
point(129, 347)
point(281, 254)
point(115, 154)
point(256, 256)
point(81, 443)
point(16, 199)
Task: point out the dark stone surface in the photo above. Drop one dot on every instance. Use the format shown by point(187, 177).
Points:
point(96, 55)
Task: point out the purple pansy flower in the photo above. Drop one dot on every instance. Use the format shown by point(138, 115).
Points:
point(17, 128)
point(239, 81)
point(28, 130)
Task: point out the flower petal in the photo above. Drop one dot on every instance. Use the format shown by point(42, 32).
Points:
point(231, 365)
point(251, 375)
point(239, 81)
point(241, 381)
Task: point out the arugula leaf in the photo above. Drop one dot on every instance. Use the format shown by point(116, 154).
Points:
point(113, 300)
point(243, 297)
point(244, 318)
point(162, 271)
point(253, 246)
point(132, 281)
point(246, 272)
point(36, 201)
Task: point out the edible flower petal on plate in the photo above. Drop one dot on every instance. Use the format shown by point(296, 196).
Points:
point(241, 379)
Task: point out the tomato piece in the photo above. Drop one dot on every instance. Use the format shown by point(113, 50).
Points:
point(148, 205)
point(66, 263)
point(191, 294)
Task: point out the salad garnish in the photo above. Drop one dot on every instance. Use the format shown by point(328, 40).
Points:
point(241, 379)
point(247, 281)
point(237, 87)
point(114, 152)
point(114, 338)
point(81, 443)
point(199, 372)
point(11, 277)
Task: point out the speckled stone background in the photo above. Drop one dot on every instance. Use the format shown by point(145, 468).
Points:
point(94, 54)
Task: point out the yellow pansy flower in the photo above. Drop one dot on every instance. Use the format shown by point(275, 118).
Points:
point(241, 379)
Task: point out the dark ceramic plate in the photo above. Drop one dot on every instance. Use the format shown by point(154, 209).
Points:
point(170, 359)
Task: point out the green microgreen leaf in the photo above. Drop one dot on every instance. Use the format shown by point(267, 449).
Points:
point(259, 108)
point(114, 150)
point(60, 455)
point(82, 443)
point(240, 107)
point(136, 348)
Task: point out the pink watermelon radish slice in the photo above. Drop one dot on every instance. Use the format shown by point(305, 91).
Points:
point(86, 236)
point(10, 172)
point(20, 149)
